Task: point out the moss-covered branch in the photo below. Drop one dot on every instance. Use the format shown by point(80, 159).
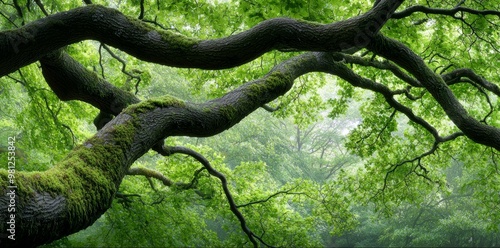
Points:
point(74, 193)
point(31, 42)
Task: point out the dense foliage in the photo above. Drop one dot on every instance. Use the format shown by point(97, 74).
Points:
point(334, 163)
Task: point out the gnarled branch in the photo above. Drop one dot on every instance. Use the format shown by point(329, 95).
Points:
point(31, 42)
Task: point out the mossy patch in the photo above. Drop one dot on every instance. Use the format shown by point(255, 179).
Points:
point(176, 40)
point(86, 179)
point(173, 39)
point(275, 83)
point(158, 102)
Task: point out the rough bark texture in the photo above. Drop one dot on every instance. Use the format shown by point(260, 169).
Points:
point(434, 83)
point(28, 44)
point(74, 193)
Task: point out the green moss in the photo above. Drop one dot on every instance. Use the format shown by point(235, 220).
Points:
point(229, 112)
point(159, 102)
point(275, 82)
point(174, 40)
point(124, 134)
point(87, 178)
point(310, 23)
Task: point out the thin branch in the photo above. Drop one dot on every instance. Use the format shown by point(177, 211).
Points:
point(486, 96)
point(269, 108)
point(286, 192)
point(149, 173)
point(341, 70)
point(449, 12)
point(23, 83)
point(100, 61)
point(40, 5)
point(9, 19)
point(19, 11)
point(386, 65)
point(418, 159)
point(166, 151)
point(156, 23)
point(124, 65)
point(141, 15)
point(125, 198)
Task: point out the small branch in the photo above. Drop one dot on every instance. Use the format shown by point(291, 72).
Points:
point(166, 151)
point(100, 62)
point(125, 198)
point(270, 109)
point(40, 5)
point(150, 173)
point(481, 90)
point(341, 70)
point(287, 192)
point(19, 11)
point(124, 65)
point(386, 65)
point(469, 73)
point(23, 83)
point(419, 158)
point(151, 183)
point(156, 23)
point(141, 15)
point(9, 20)
point(449, 12)
point(71, 131)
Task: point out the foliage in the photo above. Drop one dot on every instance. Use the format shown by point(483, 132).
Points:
point(333, 166)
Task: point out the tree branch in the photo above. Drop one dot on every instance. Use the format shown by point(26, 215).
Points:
point(470, 74)
point(449, 12)
point(411, 62)
point(166, 151)
point(386, 65)
point(40, 5)
point(285, 192)
point(72, 81)
point(150, 173)
point(29, 43)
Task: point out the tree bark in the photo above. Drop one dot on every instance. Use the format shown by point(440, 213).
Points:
point(434, 83)
point(73, 194)
point(31, 42)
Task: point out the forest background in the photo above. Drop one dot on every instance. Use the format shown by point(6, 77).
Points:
point(334, 162)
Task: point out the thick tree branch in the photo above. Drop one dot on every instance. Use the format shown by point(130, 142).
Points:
point(72, 81)
point(31, 42)
point(457, 74)
point(411, 62)
point(94, 170)
point(75, 192)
